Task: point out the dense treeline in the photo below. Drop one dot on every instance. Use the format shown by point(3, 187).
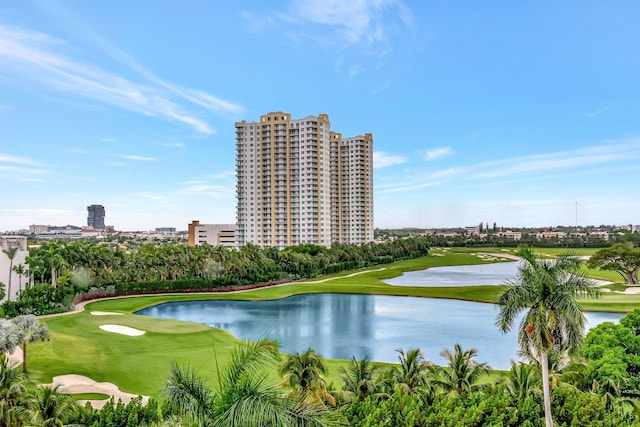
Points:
point(495, 239)
point(109, 268)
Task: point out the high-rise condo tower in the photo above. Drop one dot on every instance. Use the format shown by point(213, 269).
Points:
point(299, 182)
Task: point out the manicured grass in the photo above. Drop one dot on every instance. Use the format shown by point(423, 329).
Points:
point(140, 364)
point(90, 396)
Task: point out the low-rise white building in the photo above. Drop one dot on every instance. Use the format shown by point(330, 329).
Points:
point(212, 234)
point(7, 274)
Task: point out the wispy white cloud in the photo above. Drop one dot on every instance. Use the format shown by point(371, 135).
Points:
point(7, 158)
point(382, 159)
point(23, 169)
point(39, 59)
point(437, 152)
point(139, 158)
point(581, 161)
point(597, 112)
point(213, 190)
point(410, 187)
point(362, 24)
point(356, 21)
point(560, 161)
point(173, 144)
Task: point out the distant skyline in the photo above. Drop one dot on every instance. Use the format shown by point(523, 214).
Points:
point(484, 112)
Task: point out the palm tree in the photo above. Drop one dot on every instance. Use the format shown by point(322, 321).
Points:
point(28, 329)
point(412, 374)
point(47, 407)
point(187, 393)
point(12, 389)
point(522, 380)
point(36, 268)
point(20, 271)
point(53, 258)
point(11, 254)
point(614, 399)
point(463, 372)
point(548, 291)
point(304, 372)
point(243, 398)
point(359, 378)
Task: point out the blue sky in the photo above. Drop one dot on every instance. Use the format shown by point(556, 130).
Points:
point(502, 111)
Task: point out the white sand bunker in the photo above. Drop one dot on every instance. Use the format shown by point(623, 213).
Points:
point(124, 330)
point(106, 313)
point(74, 384)
point(632, 290)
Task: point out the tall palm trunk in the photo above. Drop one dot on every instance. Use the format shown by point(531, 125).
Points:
point(10, 274)
point(544, 362)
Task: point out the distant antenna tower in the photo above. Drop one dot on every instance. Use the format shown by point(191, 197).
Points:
point(576, 214)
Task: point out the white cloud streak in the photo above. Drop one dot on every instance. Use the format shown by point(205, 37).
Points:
point(36, 58)
point(357, 21)
point(382, 159)
point(577, 161)
point(139, 158)
point(14, 168)
point(438, 152)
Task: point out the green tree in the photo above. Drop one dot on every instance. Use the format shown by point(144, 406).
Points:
point(359, 379)
point(522, 380)
point(13, 387)
point(47, 407)
point(547, 290)
point(11, 254)
point(462, 373)
point(621, 258)
point(304, 373)
point(19, 332)
point(412, 374)
point(243, 398)
point(21, 272)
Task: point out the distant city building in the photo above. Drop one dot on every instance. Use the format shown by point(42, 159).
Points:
point(299, 182)
point(165, 230)
point(212, 234)
point(95, 218)
point(35, 229)
point(474, 230)
point(510, 235)
point(18, 282)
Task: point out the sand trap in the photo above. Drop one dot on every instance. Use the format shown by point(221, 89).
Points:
point(632, 290)
point(105, 313)
point(74, 384)
point(124, 330)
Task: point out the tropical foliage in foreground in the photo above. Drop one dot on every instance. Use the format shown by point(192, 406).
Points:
point(547, 292)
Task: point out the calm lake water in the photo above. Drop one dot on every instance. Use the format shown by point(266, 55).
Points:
point(458, 275)
point(340, 326)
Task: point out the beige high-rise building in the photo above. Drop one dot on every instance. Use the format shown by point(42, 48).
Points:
point(298, 182)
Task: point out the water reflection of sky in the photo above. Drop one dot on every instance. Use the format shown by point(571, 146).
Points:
point(341, 326)
point(458, 275)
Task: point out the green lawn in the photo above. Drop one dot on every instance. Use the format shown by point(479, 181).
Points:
point(140, 364)
point(90, 396)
